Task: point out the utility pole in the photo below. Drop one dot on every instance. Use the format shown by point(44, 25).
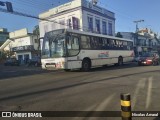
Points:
point(137, 21)
point(136, 33)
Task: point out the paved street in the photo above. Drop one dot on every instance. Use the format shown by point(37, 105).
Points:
point(33, 89)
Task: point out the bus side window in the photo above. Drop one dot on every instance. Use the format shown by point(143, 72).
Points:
point(85, 42)
point(100, 43)
point(121, 45)
point(124, 45)
point(75, 43)
point(115, 44)
point(103, 43)
point(111, 44)
point(69, 40)
point(88, 42)
point(108, 43)
point(92, 43)
point(96, 42)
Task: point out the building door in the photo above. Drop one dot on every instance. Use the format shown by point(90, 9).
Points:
point(20, 59)
point(26, 58)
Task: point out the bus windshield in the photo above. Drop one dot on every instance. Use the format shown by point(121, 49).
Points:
point(54, 46)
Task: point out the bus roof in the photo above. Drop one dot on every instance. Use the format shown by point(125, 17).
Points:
point(98, 35)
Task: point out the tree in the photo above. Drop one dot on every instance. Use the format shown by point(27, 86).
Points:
point(36, 30)
point(1, 43)
point(119, 35)
point(37, 33)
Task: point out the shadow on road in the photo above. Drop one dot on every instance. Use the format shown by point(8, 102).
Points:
point(14, 71)
point(112, 67)
point(72, 85)
point(18, 71)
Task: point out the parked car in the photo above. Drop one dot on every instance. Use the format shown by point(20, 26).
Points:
point(11, 62)
point(149, 59)
point(35, 61)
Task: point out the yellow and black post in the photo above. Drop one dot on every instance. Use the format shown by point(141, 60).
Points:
point(126, 107)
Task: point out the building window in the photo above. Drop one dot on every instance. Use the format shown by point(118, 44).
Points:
point(75, 23)
point(110, 28)
point(98, 26)
point(69, 23)
point(90, 23)
point(104, 28)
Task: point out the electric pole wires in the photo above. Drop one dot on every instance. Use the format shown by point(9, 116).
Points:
point(31, 16)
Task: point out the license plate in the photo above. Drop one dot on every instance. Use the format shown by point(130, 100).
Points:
point(50, 66)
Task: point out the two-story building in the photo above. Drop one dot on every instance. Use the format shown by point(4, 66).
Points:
point(78, 14)
point(24, 45)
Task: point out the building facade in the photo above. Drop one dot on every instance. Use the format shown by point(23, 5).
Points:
point(24, 45)
point(142, 42)
point(78, 14)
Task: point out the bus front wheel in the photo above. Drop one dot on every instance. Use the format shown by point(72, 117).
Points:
point(86, 65)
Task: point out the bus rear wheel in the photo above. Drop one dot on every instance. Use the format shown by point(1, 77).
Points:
point(86, 65)
point(120, 61)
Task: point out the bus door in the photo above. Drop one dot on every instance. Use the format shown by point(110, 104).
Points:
point(73, 49)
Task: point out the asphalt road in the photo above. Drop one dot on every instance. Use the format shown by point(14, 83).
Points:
point(33, 89)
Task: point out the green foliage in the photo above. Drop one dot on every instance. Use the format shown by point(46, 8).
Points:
point(5, 54)
point(119, 35)
point(36, 30)
point(2, 57)
point(1, 43)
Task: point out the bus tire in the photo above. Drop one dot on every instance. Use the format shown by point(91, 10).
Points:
point(120, 61)
point(86, 65)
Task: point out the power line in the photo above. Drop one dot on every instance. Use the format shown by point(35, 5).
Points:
point(35, 17)
point(43, 19)
point(23, 14)
point(33, 5)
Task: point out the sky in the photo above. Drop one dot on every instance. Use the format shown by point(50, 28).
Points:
point(126, 11)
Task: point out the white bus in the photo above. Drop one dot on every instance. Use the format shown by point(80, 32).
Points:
point(72, 49)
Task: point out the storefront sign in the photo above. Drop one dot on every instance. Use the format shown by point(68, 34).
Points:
point(23, 48)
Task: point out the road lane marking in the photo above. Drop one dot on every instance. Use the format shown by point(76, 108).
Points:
point(100, 107)
point(88, 109)
point(105, 103)
point(141, 84)
point(149, 92)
